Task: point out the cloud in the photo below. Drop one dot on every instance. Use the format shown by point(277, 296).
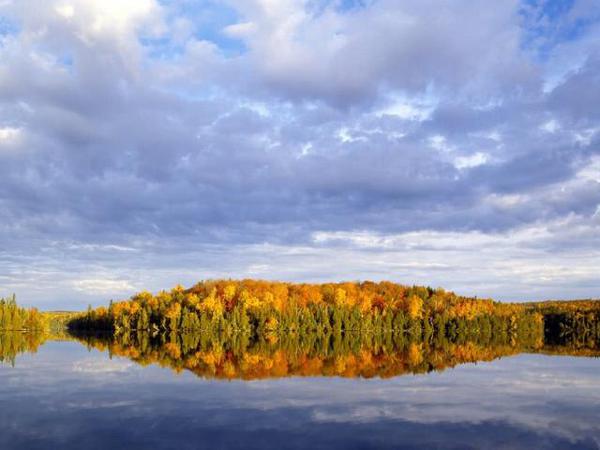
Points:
point(213, 140)
point(99, 366)
point(348, 56)
point(102, 286)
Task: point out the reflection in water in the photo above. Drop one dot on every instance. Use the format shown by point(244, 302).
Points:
point(364, 355)
point(317, 390)
point(12, 343)
point(347, 355)
point(68, 397)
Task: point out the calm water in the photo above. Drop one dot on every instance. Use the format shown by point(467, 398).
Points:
point(66, 397)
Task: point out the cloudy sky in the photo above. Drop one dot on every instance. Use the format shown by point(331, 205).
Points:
point(442, 142)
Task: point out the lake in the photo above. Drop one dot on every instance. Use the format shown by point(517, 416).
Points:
point(69, 396)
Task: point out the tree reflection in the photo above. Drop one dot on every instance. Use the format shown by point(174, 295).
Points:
point(242, 356)
point(238, 355)
point(14, 343)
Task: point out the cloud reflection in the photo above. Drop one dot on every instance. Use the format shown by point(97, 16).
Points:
point(487, 405)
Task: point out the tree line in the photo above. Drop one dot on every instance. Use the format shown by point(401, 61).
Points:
point(571, 323)
point(15, 318)
point(261, 308)
point(240, 355)
point(253, 328)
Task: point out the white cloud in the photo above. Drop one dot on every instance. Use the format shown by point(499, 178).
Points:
point(240, 30)
point(591, 171)
point(419, 109)
point(103, 286)
point(474, 160)
point(473, 262)
point(345, 135)
point(10, 135)
point(332, 54)
point(585, 136)
point(113, 16)
point(506, 200)
point(552, 126)
point(65, 10)
point(440, 143)
point(102, 366)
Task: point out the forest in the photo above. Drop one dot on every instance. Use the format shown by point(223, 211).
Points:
point(573, 323)
point(263, 307)
point(255, 329)
point(14, 318)
point(266, 308)
point(25, 329)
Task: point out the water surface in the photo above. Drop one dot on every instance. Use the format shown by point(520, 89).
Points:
point(66, 396)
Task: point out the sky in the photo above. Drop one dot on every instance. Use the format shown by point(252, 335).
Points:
point(148, 143)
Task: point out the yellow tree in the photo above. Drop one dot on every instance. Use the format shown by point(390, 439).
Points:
point(414, 307)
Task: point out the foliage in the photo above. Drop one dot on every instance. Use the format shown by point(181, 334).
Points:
point(14, 318)
point(13, 343)
point(254, 329)
point(263, 307)
point(57, 321)
point(347, 354)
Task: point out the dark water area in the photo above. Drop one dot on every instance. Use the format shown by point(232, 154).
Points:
point(69, 396)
